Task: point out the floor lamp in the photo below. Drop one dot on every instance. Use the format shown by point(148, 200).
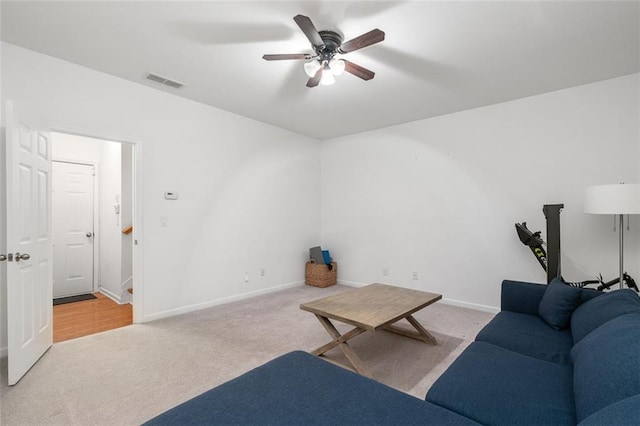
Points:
point(618, 200)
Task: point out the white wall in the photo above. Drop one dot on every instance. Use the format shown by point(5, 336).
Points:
point(80, 149)
point(126, 220)
point(248, 190)
point(110, 224)
point(441, 196)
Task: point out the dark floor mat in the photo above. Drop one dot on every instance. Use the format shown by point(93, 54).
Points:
point(71, 299)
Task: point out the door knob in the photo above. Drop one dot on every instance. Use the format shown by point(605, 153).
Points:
point(22, 256)
point(3, 257)
point(89, 234)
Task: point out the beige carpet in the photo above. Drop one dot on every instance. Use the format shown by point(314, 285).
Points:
point(128, 375)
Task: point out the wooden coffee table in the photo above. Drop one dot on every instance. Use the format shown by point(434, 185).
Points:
point(370, 308)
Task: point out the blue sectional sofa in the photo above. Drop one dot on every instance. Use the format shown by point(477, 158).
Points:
point(554, 355)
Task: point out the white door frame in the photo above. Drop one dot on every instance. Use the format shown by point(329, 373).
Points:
point(138, 257)
point(96, 213)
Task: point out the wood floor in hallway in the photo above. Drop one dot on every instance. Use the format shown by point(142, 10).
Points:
point(78, 319)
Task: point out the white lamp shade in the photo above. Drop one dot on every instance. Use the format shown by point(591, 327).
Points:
point(613, 199)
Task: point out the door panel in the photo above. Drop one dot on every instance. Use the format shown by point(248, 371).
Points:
point(72, 229)
point(26, 281)
point(29, 283)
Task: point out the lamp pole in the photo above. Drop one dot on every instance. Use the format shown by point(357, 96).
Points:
point(621, 223)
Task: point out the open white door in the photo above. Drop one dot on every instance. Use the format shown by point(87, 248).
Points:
point(29, 251)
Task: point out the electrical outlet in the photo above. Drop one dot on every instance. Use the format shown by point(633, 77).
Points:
point(385, 271)
point(164, 222)
point(262, 272)
point(414, 276)
point(246, 277)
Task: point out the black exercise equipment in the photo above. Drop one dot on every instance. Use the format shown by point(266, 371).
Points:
point(549, 259)
point(534, 242)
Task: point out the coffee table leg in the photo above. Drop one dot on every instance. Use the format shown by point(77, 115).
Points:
point(422, 333)
point(340, 340)
point(421, 330)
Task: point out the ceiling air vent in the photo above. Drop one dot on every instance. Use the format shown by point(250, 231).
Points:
point(164, 80)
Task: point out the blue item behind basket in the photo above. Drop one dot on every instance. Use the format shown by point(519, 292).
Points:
point(327, 258)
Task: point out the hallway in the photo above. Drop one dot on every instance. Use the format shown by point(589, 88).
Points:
point(79, 319)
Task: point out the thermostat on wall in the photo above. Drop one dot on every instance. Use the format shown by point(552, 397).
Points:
point(168, 195)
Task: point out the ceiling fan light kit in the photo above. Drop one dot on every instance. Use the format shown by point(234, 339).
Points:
point(311, 67)
point(337, 66)
point(327, 78)
point(324, 65)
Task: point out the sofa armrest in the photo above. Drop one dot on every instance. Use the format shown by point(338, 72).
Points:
point(522, 297)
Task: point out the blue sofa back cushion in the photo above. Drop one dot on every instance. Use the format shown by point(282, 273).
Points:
point(606, 365)
point(558, 303)
point(520, 296)
point(528, 335)
point(588, 294)
point(595, 312)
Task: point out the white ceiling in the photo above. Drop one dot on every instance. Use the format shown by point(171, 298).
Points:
point(438, 57)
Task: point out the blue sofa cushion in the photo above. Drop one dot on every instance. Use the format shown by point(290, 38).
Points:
point(621, 413)
point(607, 365)
point(588, 294)
point(558, 303)
point(301, 389)
point(595, 312)
point(528, 335)
point(522, 297)
point(493, 385)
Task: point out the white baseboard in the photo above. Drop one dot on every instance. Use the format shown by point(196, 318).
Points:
point(468, 305)
point(452, 302)
point(350, 283)
point(216, 302)
point(110, 295)
point(127, 283)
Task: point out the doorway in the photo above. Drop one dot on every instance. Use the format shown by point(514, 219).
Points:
point(92, 215)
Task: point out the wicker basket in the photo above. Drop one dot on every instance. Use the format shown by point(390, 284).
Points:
point(319, 275)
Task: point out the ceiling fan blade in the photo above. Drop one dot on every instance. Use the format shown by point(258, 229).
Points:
point(358, 71)
point(307, 27)
point(285, 57)
point(313, 81)
point(372, 37)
